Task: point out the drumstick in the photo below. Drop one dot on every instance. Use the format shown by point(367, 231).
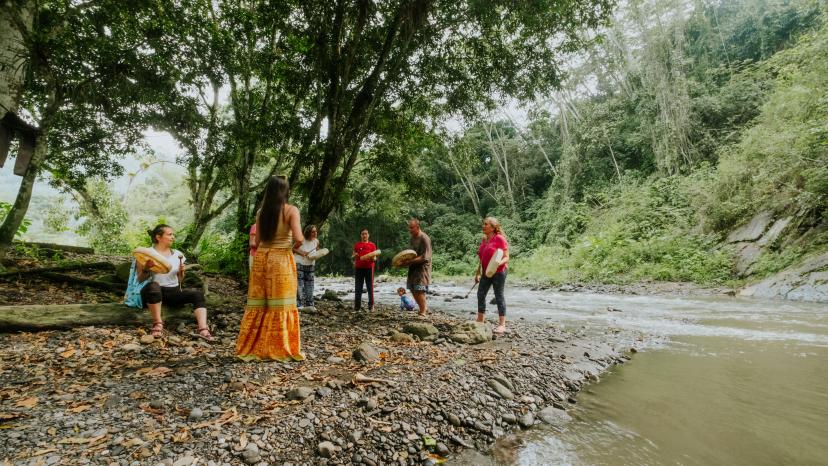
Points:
point(470, 290)
point(180, 264)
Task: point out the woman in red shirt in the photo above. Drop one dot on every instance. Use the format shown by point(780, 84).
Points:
point(363, 270)
point(494, 240)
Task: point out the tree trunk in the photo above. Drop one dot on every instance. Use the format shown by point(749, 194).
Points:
point(36, 317)
point(24, 194)
point(13, 51)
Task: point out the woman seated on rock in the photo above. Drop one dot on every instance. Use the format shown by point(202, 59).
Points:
point(166, 287)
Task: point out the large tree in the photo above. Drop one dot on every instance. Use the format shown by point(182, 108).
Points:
point(90, 74)
point(414, 61)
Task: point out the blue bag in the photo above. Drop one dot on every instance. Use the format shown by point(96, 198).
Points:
point(132, 297)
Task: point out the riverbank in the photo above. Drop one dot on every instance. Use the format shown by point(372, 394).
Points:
point(104, 395)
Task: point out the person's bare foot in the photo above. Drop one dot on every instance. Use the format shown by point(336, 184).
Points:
point(500, 329)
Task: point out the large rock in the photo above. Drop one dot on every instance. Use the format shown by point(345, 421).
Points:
point(770, 237)
point(806, 282)
point(554, 416)
point(122, 271)
point(752, 230)
point(746, 255)
point(471, 333)
point(424, 330)
point(366, 352)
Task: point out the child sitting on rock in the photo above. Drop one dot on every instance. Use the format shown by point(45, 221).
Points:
point(406, 303)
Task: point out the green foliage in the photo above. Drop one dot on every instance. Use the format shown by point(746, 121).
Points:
point(103, 218)
point(633, 230)
point(781, 163)
point(5, 208)
point(223, 253)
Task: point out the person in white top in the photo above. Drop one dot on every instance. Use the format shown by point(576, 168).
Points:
point(305, 266)
point(166, 287)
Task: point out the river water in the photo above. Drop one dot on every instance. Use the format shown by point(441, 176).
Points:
point(723, 380)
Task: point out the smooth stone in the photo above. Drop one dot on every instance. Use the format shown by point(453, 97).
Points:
point(196, 414)
point(366, 352)
point(326, 449)
point(500, 389)
point(527, 420)
point(554, 416)
point(299, 393)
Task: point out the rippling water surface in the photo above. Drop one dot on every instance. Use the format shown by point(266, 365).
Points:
point(733, 381)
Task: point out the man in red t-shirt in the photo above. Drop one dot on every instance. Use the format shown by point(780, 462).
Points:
point(363, 270)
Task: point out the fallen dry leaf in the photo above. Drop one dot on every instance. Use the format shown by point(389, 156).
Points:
point(133, 442)
point(159, 372)
point(74, 440)
point(229, 415)
point(43, 452)
point(10, 416)
point(79, 408)
point(27, 402)
point(149, 409)
point(68, 353)
point(181, 436)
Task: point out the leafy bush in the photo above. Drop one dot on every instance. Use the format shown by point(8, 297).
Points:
point(781, 163)
point(5, 208)
point(223, 253)
point(637, 230)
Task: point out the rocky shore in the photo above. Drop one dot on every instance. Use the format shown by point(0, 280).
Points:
point(376, 388)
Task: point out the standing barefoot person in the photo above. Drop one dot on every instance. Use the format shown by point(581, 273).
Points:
point(363, 270)
point(270, 327)
point(419, 268)
point(305, 265)
point(493, 240)
point(166, 287)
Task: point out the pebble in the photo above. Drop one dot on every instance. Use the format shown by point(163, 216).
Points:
point(147, 339)
point(462, 403)
point(326, 449)
point(131, 347)
point(299, 393)
point(527, 420)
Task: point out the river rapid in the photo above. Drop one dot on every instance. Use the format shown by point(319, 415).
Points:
point(722, 380)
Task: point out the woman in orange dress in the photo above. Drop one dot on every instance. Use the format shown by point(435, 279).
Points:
point(270, 327)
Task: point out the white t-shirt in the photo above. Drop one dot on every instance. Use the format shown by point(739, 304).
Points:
point(307, 246)
point(171, 278)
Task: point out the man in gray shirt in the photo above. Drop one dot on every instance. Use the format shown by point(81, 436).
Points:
point(419, 268)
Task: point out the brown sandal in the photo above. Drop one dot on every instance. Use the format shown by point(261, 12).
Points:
point(157, 330)
point(201, 334)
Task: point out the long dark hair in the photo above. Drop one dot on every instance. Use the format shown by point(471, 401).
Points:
point(275, 197)
point(158, 230)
